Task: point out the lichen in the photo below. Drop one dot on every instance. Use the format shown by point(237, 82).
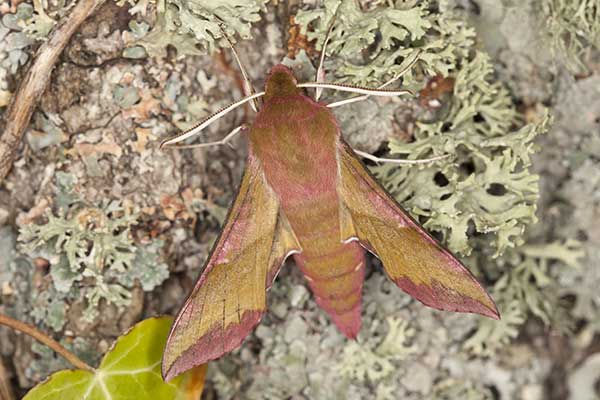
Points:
point(91, 251)
point(48, 307)
point(574, 29)
point(7, 248)
point(18, 31)
point(374, 364)
point(13, 45)
point(40, 23)
point(486, 182)
point(450, 389)
point(192, 27)
point(528, 285)
point(367, 46)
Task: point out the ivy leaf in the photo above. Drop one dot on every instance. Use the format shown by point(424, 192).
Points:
point(130, 370)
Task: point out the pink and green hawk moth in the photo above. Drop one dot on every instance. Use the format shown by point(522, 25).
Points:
point(305, 193)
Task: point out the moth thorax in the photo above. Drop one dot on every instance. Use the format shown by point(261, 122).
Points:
point(280, 83)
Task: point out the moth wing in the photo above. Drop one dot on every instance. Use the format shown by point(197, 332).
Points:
point(229, 298)
point(414, 260)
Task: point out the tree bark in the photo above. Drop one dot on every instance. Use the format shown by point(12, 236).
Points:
point(36, 79)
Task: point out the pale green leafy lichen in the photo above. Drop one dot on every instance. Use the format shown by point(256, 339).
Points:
point(7, 249)
point(13, 45)
point(47, 360)
point(192, 26)
point(528, 286)
point(48, 307)
point(582, 283)
point(365, 363)
point(574, 28)
point(450, 389)
point(91, 250)
point(486, 182)
point(366, 47)
point(149, 269)
point(40, 23)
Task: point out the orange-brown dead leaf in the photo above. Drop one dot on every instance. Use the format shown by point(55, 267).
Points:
point(143, 137)
point(106, 146)
point(146, 107)
point(174, 208)
point(298, 41)
point(6, 289)
point(188, 195)
point(32, 214)
point(194, 382)
point(149, 210)
point(431, 96)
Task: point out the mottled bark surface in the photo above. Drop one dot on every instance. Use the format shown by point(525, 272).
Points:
point(90, 151)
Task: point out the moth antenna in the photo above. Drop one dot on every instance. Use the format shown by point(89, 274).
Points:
point(355, 89)
point(248, 88)
point(347, 101)
point(378, 160)
point(223, 141)
point(209, 120)
point(411, 63)
point(320, 70)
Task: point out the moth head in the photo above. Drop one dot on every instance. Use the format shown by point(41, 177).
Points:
point(280, 82)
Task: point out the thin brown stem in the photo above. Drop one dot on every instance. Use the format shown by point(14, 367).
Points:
point(35, 81)
point(6, 392)
point(44, 339)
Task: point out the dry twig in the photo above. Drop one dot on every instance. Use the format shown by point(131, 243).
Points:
point(6, 392)
point(44, 339)
point(33, 85)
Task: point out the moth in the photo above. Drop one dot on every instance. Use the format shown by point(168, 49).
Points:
point(305, 193)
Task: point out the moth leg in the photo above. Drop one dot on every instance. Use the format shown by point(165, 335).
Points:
point(248, 88)
point(223, 141)
point(320, 70)
point(397, 161)
point(413, 60)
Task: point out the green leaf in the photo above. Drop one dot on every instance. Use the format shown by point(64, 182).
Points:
point(130, 370)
